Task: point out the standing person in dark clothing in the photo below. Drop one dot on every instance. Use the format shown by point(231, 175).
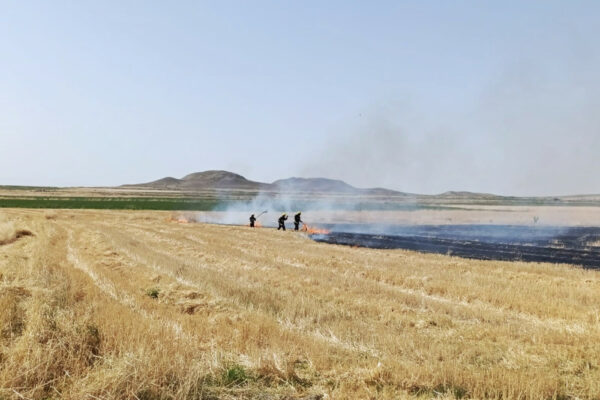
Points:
point(281, 221)
point(252, 221)
point(297, 220)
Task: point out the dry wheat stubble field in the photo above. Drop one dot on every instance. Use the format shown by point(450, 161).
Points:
point(107, 305)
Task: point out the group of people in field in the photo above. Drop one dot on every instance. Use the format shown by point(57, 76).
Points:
point(281, 221)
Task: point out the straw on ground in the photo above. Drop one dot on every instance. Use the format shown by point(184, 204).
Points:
point(110, 304)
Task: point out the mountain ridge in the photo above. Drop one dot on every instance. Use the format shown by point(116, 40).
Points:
point(221, 179)
point(211, 180)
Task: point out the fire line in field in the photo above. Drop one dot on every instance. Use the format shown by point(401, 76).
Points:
point(314, 231)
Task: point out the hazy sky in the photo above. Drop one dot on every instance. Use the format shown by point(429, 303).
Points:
point(420, 96)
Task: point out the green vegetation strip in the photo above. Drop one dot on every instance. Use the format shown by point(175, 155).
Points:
point(196, 204)
point(213, 204)
point(110, 203)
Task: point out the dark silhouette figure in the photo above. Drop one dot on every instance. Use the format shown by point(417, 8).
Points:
point(281, 221)
point(297, 220)
point(252, 221)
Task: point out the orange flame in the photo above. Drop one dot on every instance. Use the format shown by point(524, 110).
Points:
point(314, 231)
point(181, 219)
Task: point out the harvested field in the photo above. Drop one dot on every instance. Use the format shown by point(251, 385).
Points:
point(118, 304)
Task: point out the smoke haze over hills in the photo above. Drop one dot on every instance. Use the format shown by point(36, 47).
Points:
point(527, 133)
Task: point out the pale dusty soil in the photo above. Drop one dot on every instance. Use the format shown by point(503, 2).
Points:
point(506, 215)
point(297, 318)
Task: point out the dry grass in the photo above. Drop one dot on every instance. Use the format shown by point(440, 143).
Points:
point(7, 229)
point(112, 305)
point(9, 234)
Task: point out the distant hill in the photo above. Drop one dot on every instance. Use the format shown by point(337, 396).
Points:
point(469, 195)
point(207, 180)
point(225, 180)
point(313, 185)
point(213, 180)
point(238, 187)
point(218, 180)
point(164, 183)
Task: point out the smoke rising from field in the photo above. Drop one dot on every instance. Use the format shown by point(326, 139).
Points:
point(531, 128)
point(238, 212)
point(315, 209)
point(534, 129)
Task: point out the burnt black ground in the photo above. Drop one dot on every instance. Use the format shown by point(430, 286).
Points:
point(569, 245)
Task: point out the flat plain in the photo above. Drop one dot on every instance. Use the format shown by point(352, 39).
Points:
point(130, 304)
